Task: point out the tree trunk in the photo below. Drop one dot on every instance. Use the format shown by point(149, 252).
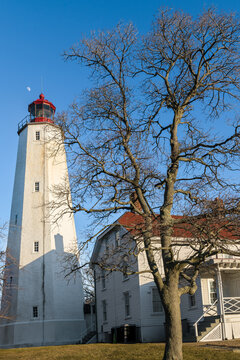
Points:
point(173, 348)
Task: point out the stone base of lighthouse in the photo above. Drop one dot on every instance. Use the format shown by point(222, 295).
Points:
point(56, 332)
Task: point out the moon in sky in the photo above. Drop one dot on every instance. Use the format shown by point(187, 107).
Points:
point(28, 88)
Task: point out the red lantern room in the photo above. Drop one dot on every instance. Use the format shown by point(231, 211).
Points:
point(41, 110)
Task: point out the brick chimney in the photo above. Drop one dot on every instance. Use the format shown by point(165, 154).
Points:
point(217, 206)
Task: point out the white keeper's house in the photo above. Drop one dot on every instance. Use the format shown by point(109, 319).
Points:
point(39, 306)
point(128, 307)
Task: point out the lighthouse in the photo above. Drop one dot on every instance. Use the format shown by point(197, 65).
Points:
point(39, 305)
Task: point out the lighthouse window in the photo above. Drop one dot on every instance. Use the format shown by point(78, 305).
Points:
point(37, 135)
point(104, 307)
point(47, 112)
point(127, 303)
point(35, 311)
point(36, 246)
point(52, 113)
point(32, 112)
point(39, 110)
point(37, 186)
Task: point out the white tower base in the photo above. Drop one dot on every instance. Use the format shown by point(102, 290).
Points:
point(42, 306)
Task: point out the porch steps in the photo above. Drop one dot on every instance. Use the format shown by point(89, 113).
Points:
point(205, 326)
point(88, 337)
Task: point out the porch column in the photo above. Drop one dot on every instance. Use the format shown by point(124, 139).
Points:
point(221, 303)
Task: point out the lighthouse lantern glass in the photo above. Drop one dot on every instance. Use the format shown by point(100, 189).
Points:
point(41, 111)
point(46, 111)
point(32, 112)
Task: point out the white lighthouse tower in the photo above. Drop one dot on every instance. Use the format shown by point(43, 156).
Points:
point(40, 306)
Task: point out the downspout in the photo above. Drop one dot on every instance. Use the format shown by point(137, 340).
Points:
point(221, 302)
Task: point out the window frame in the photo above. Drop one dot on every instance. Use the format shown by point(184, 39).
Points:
point(104, 310)
point(35, 312)
point(117, 239)
point(36, 186)
point(154, 301)
point(106, 246)
point(125, 274)
point(125, 268)
point(103, 279)
point(192, 301)
point(37, 135)
point(127, 308)
point(36, 246)
point(210, 292)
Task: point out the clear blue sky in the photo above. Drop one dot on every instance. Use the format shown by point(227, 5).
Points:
point(33, 36)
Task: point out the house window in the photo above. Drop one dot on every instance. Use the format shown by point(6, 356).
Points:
point(127, 304)
point(125, 267)
point(16, 218)
point(106, 247)
point(103, 279)
point(35, 311)
point(212, 291)
point(37, 135)
point(117, 238)
point(104, 307)
point(156, 301)
point(125, 274)
point(36, 246)
point(36, 186)
point(192, 300)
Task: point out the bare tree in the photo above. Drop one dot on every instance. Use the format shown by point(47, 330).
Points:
point(5, 262)
point(2, 252)
point(70, 265)
point(151, 125)
point(88, 284)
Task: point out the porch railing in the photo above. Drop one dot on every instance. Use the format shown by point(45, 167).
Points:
point(89, 329)
point(231, 305)
point(211, 309)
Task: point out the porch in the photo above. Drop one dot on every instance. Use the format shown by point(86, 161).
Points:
point(220, 319)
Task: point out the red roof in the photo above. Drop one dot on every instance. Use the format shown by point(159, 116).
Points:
point(42, 100)
point(184, 227)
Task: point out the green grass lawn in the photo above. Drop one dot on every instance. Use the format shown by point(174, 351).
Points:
point(116, 352)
